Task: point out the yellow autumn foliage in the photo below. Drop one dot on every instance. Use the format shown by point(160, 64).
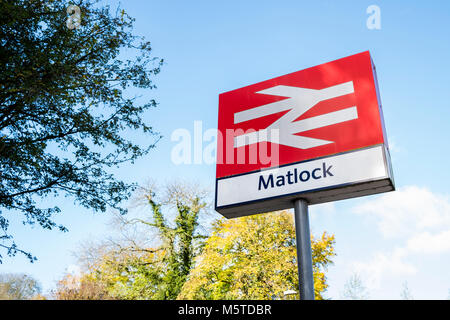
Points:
point(254, 257)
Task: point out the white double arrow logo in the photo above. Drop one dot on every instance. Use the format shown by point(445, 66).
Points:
point(300, 100)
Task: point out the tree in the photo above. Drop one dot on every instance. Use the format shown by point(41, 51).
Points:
point(354, 289)
point(73, 287)
point(154, 254)
point(65, 111)
point(116, 274)
point(18, 287)
point(254, 257)
point(406, 292)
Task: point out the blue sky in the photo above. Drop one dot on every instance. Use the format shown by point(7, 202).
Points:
point(215, 46)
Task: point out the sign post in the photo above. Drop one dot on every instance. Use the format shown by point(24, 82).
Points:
point(304, 255)
point(312, 136)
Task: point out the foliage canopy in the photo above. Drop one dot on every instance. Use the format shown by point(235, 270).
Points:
point(65, 112)
point(153, 268)
point(18, 287)
point(254, 257)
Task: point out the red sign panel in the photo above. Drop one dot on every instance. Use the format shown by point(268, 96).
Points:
point(320, 111)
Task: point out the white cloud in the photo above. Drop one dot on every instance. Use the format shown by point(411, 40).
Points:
point(408, 211)
point(430, 243)
point(418, 220)
point(381, 264)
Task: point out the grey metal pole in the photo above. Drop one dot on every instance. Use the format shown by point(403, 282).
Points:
point(304, 255)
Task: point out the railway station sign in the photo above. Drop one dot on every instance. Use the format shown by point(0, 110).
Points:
point(316, 134)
